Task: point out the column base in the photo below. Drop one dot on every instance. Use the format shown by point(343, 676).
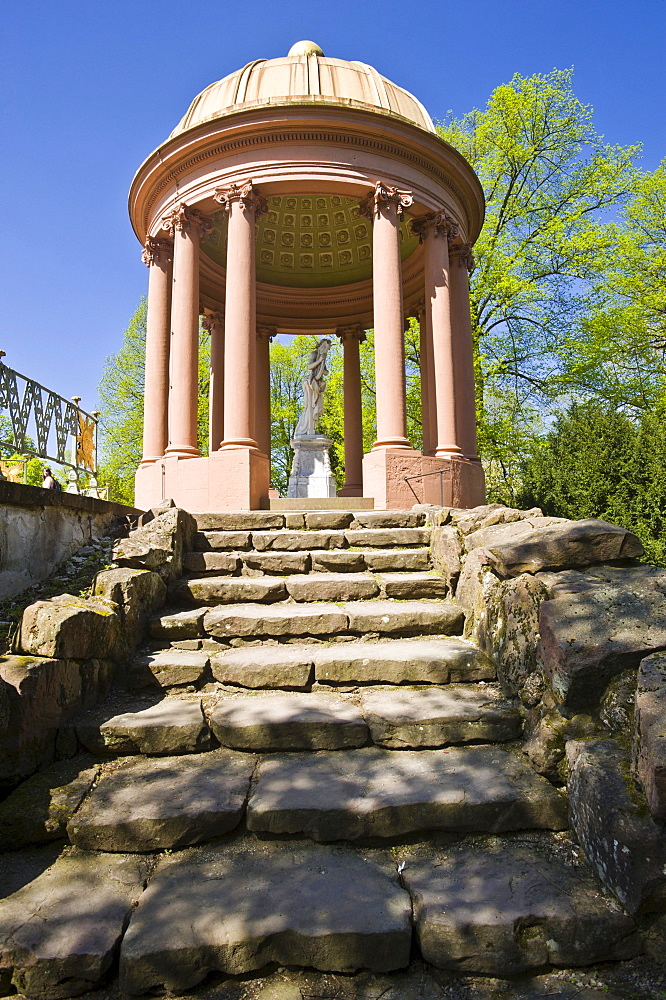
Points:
point(237, 479)
point(386, 478)
point(350, 491)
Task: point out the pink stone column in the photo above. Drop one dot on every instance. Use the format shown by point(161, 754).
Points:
point(352, 337)
point(214, 323)
point(243, 205)
point(462, 263)
point(265, 335)
point(384, 205)
point(158, 256)
point(186, 224)
point(428, 401)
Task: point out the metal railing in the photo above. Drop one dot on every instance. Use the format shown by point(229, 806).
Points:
point(424, 475)
point(49, 427)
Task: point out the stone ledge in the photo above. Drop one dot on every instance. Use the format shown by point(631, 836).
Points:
point(20, 495)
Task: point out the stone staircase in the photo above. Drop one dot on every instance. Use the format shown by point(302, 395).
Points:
point(309, 766)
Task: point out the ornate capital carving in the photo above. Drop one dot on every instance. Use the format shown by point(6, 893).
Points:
point(181, 217)
point(437, 223)
point(212, 320)
point(266, 331)
point(246, 194)
point(352, 332)
point(384, 194)
point(157, 252)
point(462, 254)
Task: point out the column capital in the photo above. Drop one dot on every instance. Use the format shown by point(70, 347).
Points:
point(211, 320)
point(352, 332)
point(437, 223)
point(157, 252)
point(384, 194)
point(267, 332)
point(462, 254)
point(246, 194)
point(418, 309)
point(182, 218)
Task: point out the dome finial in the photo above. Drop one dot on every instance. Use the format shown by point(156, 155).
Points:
point(305, 48)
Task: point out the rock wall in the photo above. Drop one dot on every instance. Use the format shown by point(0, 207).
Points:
point(40, 529)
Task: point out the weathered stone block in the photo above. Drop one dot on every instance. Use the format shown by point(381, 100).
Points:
point(432, 617)
point(254, 520)
point(288, 722)
point(228, 589)
point(277, 563)
point(212, 562)
point(500, 909)
point(382, 793)
point(38, 810)
point(328, 520)
point(446, 553)
point(180, 625)
point(332, 587)
point(384, 538)
point(42, 694)
point(337, 561)
point(287, 666)
point(621, 841)
point(486, 515)
point(169, 668)
point(414, 661)
point(137, 592)
point(649, 743)
point(172, 726)
point(274, 620)
point(159, 545)
point(546, 543)
point(243, 908)
point(389, 518)
point(438, 717)
point(156, 803)
point(68, 627)
point(598, 624)
point(60, 934)
point(511, 628)
point(297, 541)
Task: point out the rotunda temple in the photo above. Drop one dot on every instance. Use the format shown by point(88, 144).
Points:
point(306, 195)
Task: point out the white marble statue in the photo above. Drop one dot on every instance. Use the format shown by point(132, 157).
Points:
point(313, 390)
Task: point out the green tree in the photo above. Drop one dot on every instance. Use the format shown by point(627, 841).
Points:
point(121, 392)
point(547, 241)
point(600, 462)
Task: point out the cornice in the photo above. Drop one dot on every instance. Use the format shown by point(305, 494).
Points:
point(252, 134)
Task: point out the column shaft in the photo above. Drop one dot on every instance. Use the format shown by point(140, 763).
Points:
point(438, 309)
point(186, 225)
point(353, 411)
point(389, 331)
point(158, 255)
point(461, 323)
point(240, 318)
point(214, 323)
point(263, 389)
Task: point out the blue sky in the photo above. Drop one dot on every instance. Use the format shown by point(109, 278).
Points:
point(90, 88)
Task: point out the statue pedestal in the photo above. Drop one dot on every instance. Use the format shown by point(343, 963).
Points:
point(311, 469)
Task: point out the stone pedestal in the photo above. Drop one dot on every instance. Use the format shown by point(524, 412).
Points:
point(453, 482)
point(232, 479)
point(311, 469)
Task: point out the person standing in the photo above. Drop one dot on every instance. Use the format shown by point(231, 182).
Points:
point(48, 482)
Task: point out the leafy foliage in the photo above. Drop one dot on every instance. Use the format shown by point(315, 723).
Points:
point(599, 462)
point(550, 181)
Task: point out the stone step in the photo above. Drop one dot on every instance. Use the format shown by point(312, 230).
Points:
point(169, 668)
point(59, 934)
point(238, 906)
point(259, 520)
point(372, 793)
point(172, 726)
point(412, 560)
point(439, 717)
point(151, 804)
point(500, 908)
point(412, 586)
point(407, 661)
point(332, 587)
point(288, 722)
point(286, 540)
point(276, 620)
point(213, 590)
point(251, 563)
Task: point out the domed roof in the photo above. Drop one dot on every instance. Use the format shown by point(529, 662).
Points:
point(305, 76)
